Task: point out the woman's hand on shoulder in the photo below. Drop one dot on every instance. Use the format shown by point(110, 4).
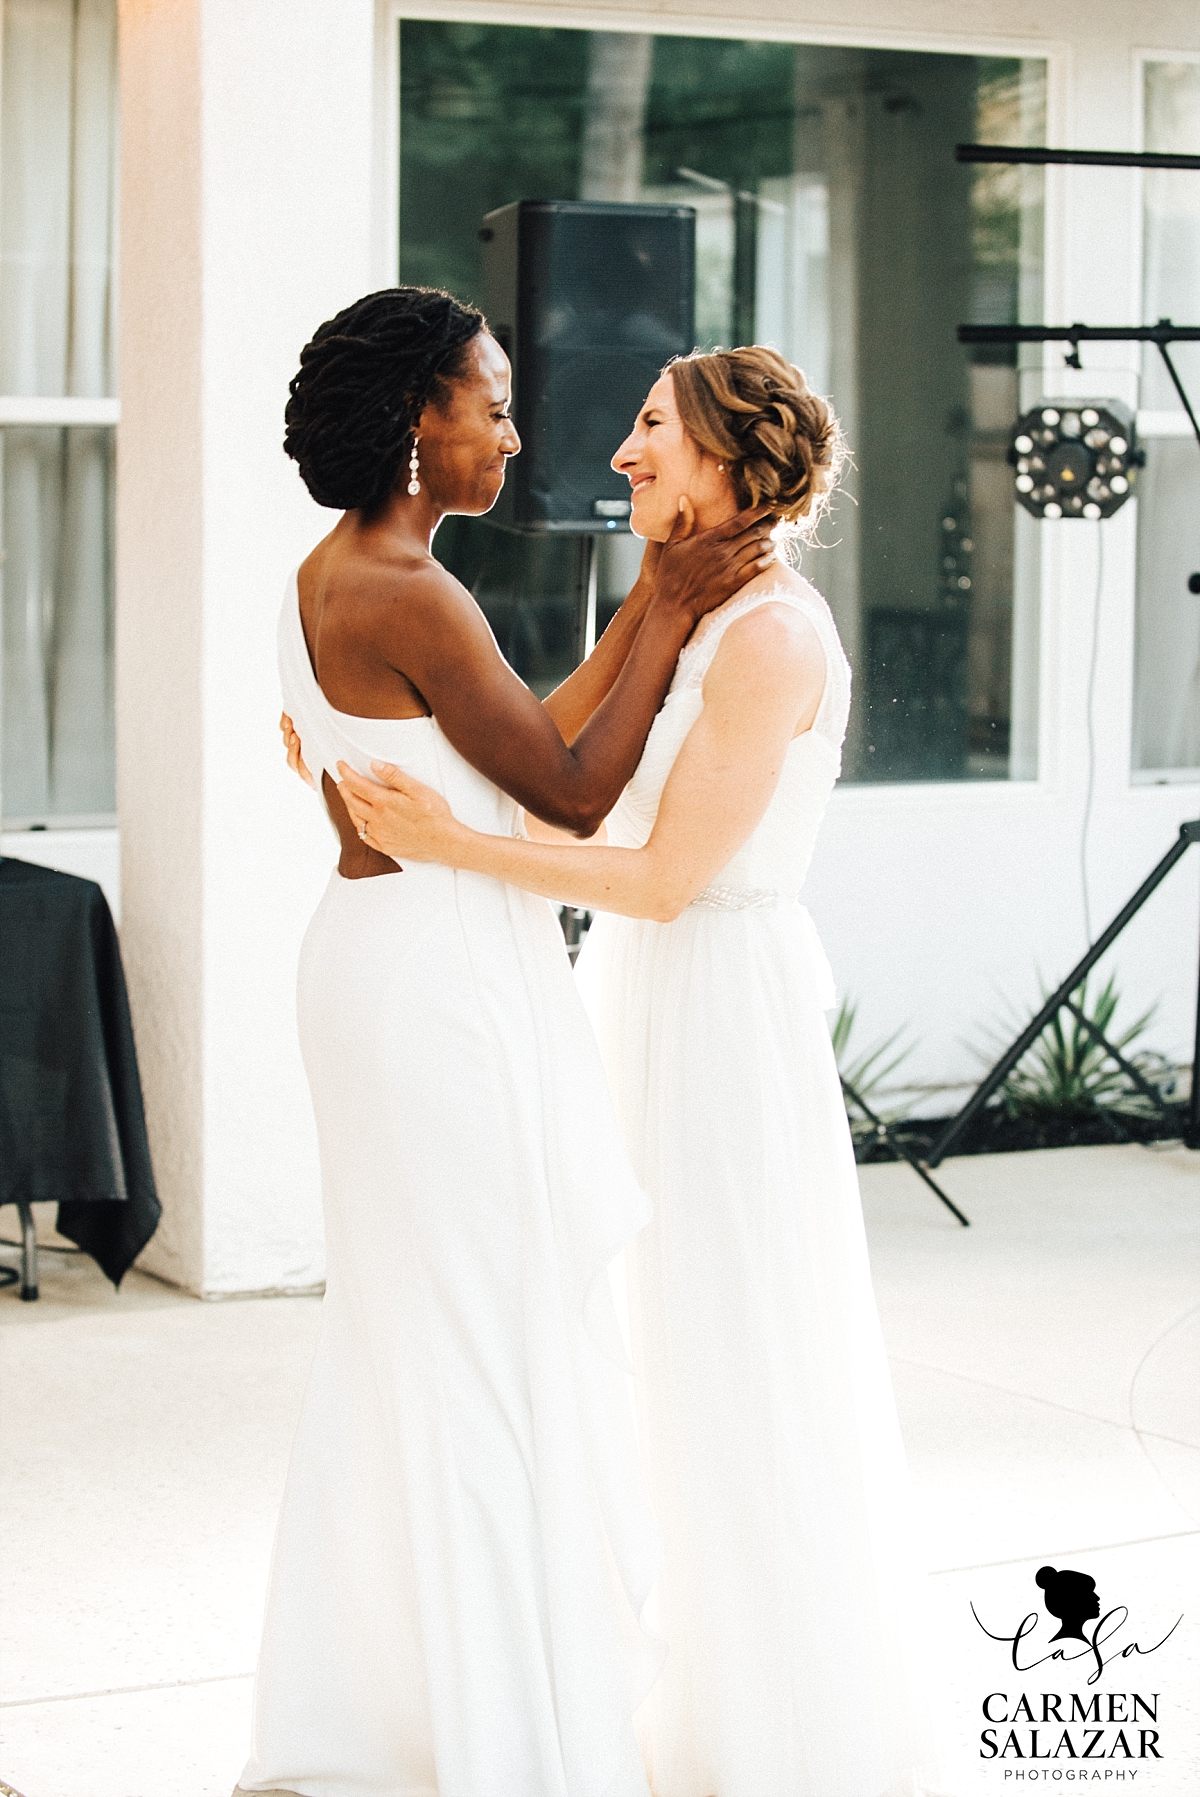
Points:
point(398, 815)
point(699, 570)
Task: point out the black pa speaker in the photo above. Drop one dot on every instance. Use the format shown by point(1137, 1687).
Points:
point(589, 298)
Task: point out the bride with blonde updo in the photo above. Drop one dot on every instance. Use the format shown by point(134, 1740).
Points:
point(765, 1407)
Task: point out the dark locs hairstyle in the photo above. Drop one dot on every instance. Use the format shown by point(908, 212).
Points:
point(364, 381)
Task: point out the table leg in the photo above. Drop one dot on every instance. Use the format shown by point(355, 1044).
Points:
point(29, 1269)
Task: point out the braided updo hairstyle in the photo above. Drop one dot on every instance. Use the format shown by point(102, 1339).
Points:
point(364, 381)
point(781, 443)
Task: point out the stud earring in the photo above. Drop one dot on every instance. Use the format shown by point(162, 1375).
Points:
point(720, 467)
point(414, 466)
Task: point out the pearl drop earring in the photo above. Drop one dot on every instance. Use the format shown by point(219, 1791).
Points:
point(414, 485)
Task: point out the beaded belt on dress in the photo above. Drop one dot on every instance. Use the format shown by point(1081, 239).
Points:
point(736, 898)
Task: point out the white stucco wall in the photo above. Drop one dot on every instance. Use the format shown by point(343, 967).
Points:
point(250, 163)
point(246, 220)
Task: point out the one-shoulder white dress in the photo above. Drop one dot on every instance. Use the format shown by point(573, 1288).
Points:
point(464, 1548)
point(766, 1410)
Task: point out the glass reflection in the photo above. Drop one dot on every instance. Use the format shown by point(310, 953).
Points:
point(833, 222)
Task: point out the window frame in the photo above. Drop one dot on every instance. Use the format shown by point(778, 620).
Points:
point(1055, 53)
point(17, 409)
point(1152, 425)
point(55, 411)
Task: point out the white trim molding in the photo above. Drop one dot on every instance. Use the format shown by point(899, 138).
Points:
point(1164, 424)
point(21, 409)
point(876, 35)
point(385, 149)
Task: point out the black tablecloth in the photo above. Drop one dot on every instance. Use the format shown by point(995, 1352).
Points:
point(72, 1128)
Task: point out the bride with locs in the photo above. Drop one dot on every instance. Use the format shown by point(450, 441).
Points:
point(464, 1548)
point(767, 1418)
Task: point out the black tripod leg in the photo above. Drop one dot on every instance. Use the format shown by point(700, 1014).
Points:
point(1188, 833)
point(1127, 1067)
point(901, 1152)
point(1179, 388)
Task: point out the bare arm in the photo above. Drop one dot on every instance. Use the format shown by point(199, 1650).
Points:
point(572, 703)
point(765, 682)
point(440, 640)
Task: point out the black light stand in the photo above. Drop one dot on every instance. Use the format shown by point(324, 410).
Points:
point(901, 1150)
point(1081, 158)
point(1161, 334)
point(1063, 999)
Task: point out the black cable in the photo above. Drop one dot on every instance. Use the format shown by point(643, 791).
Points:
point(1091, 735)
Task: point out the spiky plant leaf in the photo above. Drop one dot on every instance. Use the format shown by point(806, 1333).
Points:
point(1068, 1076)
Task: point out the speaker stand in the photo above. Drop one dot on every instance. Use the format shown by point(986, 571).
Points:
point(585, 597)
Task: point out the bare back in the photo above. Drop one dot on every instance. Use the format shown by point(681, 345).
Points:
point(345, 595)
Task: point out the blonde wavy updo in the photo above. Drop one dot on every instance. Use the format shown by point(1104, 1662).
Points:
point(781, 443)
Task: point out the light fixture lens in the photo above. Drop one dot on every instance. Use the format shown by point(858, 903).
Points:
point(1073, 458)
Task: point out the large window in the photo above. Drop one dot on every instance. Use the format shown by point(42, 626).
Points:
point(57, 378)
point(1166, 725)
point(833, 222)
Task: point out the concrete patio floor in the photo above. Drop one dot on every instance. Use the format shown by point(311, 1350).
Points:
point(1047, 1365)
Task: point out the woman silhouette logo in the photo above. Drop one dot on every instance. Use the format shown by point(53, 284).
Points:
point(1071, 1596)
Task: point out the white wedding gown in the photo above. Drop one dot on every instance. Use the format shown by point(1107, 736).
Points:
point(767, 1419)
point(463, 1551)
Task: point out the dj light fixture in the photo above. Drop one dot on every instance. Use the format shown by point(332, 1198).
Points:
point(1079, 459)
point(1075, 458)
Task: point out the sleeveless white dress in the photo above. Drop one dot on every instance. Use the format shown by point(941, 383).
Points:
point(767, 1419)
point(464, 1548)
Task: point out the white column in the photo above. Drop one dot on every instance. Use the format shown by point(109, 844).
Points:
point(246, 220)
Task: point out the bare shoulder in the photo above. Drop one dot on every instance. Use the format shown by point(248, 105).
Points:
point(415, 582)
point(408, 598)
point(774, 641)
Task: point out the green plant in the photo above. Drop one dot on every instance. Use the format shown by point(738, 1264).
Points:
point(868, 1070)
point(1067, 1074)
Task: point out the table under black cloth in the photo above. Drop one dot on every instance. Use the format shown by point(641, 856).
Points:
point(72, 1128)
